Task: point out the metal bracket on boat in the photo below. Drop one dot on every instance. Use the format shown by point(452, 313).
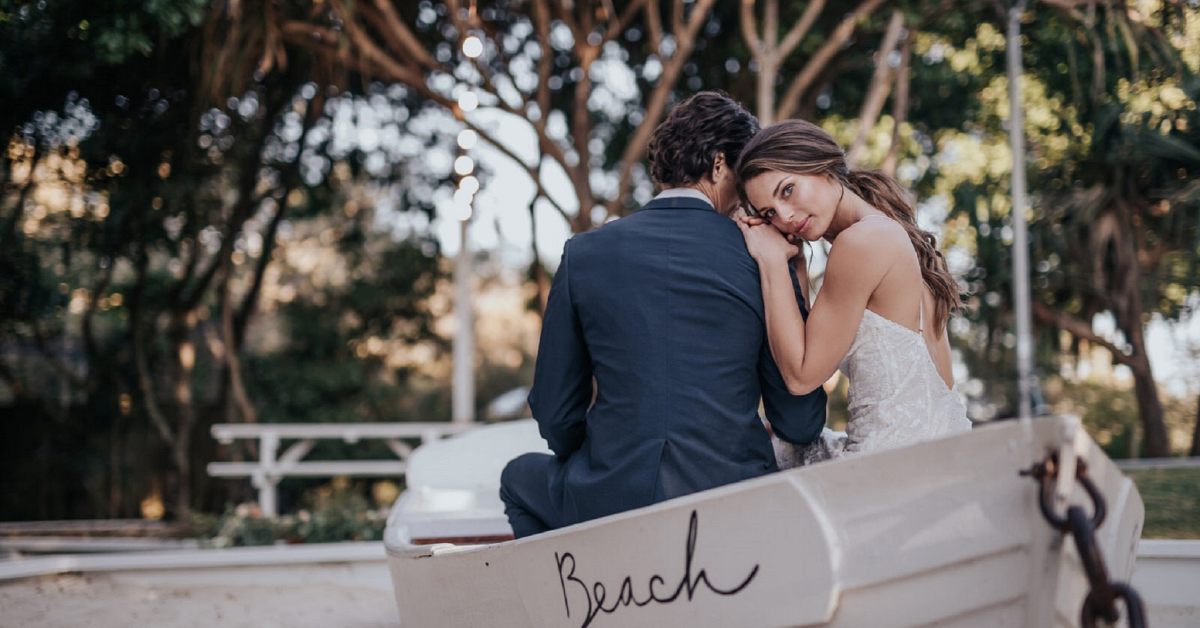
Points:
point(1104, 593)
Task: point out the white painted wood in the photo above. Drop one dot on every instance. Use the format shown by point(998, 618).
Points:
point(227, 432)
point(271, 468)
point(73, 545)
point(356, 468)
point(1159, 463)
point(1168, 577)
point(942, 533)
point(193, 559)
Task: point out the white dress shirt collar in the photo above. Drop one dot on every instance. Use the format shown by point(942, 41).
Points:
point(685, 192)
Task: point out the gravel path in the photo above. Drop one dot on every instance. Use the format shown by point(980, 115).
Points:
point(108, 601)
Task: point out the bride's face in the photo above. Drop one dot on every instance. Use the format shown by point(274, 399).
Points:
point(799, 205)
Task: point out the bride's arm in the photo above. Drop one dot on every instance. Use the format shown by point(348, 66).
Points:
point(808, 355)
point(800, 265)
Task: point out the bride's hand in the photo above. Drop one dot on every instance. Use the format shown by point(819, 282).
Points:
point(765, 243)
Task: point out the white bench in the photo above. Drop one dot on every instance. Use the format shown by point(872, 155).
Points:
point(266, 473)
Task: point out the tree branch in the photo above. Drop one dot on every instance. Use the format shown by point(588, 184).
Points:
point(532, 171)
point(677, 22)
point(289, 179)
point(139, 353)
point(617, 25)
point(657, 104)
point(1080, 330)
point(654, 26)
point(250, 300)
point(408, 42)
point(11, 380)
point(413, 79)
point(249, 415)
point(750, 32)
point(193, 254)
point(899, 105)
point(801, 27)
point(10, 226)
point(877, 93)
point(581, 127)
point(62, 369)
point(823, 56)
point(87, 329)
point(147, 390)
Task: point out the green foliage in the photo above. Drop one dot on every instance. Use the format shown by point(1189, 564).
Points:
point(1111, 162)
point(147, 202)
point(333, 513)
point(117, 35)
point(319, 375)
point(1172, 499)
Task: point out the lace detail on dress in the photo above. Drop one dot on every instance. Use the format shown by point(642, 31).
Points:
point(896, 397)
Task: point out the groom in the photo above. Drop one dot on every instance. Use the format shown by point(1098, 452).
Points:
point(663, 311)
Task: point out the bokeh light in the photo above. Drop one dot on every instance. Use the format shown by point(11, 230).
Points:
point(472, 46)
point(467, 139)
point(469, 183)
point(468, 101)
point(464, 165)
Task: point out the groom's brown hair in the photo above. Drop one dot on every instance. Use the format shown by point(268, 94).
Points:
point(684, 147)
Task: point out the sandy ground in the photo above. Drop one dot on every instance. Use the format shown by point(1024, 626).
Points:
point(107, 601)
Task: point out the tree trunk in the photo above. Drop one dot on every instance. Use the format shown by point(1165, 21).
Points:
point(1149, 404)
point(767, 71)
point(183, 489)
point(1195, 450)
point(182, 359)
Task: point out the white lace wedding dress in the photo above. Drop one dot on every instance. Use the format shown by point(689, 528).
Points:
point(896, 397)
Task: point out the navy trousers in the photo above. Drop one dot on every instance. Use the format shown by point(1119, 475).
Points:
point(525, 491)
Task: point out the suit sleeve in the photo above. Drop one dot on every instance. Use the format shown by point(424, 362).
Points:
point(562, 378)
point(796, 419)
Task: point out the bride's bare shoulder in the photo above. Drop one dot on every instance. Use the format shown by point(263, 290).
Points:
point(870, 244)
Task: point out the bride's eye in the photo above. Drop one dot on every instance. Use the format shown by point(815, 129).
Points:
point(787, 190)
point(768, 214)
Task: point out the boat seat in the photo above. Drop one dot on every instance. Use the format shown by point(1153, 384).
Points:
point(453, 490)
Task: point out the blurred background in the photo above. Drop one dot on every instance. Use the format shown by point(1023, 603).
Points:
point(253, 211)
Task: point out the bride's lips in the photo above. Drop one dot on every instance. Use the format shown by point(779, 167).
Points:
point(803, 226)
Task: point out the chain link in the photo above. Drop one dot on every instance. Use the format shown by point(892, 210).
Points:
point(1101, 600)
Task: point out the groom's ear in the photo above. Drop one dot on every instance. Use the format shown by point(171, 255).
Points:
point(720, 167)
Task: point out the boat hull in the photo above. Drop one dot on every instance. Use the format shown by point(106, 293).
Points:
point(944, 533)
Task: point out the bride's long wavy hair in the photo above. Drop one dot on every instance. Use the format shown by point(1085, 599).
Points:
point(801, 147)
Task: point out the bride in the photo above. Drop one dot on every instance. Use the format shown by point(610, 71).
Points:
point(882, 310)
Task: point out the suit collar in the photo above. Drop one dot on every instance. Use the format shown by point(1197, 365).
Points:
point(678, 202)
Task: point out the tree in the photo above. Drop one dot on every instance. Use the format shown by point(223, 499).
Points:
point(1113, 229)
point(140, 219)
point(559, 68)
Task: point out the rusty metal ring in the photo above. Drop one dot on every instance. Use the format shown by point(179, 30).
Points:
point(1046, 502)
point(1046, 472)
point(1135, 611)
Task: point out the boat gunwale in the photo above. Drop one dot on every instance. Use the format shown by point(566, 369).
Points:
point(1065, 435)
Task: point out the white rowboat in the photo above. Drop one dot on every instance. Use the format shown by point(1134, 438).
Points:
point(943, 533)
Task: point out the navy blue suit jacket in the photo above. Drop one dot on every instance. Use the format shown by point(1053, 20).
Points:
point(664, 309)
